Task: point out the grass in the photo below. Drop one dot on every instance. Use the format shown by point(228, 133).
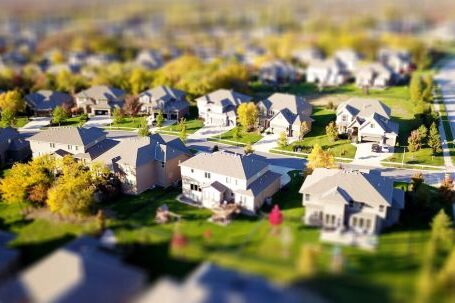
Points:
point(247, 244)
point(423, 156)
point(192, 125)
point(21, 121)
point(129, 122)
point(317, 135)
point(245, 137)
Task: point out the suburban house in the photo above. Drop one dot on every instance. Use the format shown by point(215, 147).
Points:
point(276, 72)
point(67, 140)
point(211, 180)
point(328, 72)
point(76, 272)
point(399, 61)
point(43, 102)
point(307, 55)
point(169, 101)
point(145, 162)
point(374, 75)
point(100, 99)
point(150, 59)
point(282, 112)
point(139, 163)
point(361, 201)
point(348, 59)
point(219, 108)
point(13, 148)
point(368, 120)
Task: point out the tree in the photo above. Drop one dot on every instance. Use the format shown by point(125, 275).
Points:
point(414, 143)
point(12, 100)
point(434, 139)
point(446, 189)
point(117, 115)
point(332, 131)
point(318, 158)
point(423, 132)
point(247, 115)
point(442, 234)
point(416, 88)
point(183, 134)
point(59, 115)
point(138, 80)
point(416, 180)
point(57, 57)
point(38, 193)
point(132, 106)
point(304, 129)
point(237, 132)
point(248, 149)
point(427, 94)
point(283, 140)
point(144, 130)
point(8, 117)
point(159, 119)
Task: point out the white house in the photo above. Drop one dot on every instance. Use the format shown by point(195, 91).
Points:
point(374, 75)
point(348, 59)
point(223, 177)
point(362, 201)
point(327, 72)
point(219, 108)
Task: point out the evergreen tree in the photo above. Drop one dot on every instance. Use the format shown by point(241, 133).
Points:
point(159, 119)
point(416, 88)
point(283, 140)
point(434, 139)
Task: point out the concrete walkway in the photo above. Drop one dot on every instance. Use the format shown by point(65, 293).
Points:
point(35, 124)
point(209, 131)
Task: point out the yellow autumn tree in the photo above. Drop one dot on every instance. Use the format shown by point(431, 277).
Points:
point(247, 114)
point(318, 158)
point(12, 101)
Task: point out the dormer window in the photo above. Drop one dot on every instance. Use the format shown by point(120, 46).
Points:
point(344, 118)
point(372, 125)
point(207, 175)
point(307, 197)
point(52, 145)
point(381, 208)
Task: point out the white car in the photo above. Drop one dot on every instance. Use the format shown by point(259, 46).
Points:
point(384, 148)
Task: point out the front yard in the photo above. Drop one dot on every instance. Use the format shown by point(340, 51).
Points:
point(248, 244)
point(129, 122)
point(192, 125)
point(243, 138)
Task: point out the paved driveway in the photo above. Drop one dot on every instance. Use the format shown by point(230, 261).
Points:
point(35, 124)
point(268, 142)
point(365, 156)
point(98, 121)
point(209, 131)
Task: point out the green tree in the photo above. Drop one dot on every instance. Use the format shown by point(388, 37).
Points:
point(434, 139)
point(247, 114)
point(183, 133)
point(442, 233)
point(159, 119)
point(12, 101)
point(427, 94)
point(423, 132)
point(117, 115)
point(248, 149)
point(59, 115)
point(237, 132)
point(332, 131)
point(305, 127)
point(144, 130)
point(8, 117)
point(414, 143)
point(283, 140)
point(416, 88)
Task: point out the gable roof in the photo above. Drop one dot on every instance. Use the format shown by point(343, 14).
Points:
point(69, 135)
point(361, 186)
point(141, 150)
point(227, 164)
point(47, 99)
point(294, 103)
point(8, 134)
point(102, 92)
point(364, 107)
point(172, 98)
point(225, 98)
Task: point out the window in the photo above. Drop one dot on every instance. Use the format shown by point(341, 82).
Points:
point(207, 175)
point(228, 180)
point(192, 170)
point(307, 197)
point(368, 223)
point(52, 145)
point(69, 147)
point(354, 221)
point(344, 118)
point(381, 208)
point(372, 125)
point(162, 164)
point(361, 222)
point(76, 147)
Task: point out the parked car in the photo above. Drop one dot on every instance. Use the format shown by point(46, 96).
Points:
point(384, 148)
point(375, 148)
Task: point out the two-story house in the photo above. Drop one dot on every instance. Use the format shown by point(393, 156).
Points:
point(361, 201)
point(43, 102)
point(219, 108)
point(170, 102)
point(327, 72)
point(222, 177)
point(374, 75)
point(348, 58)
point(100, 99)
point(282, 112)
point(368, 120)
point(276, 72)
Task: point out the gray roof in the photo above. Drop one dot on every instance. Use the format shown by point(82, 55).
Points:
point(102, 92)
point(141, 150)
point(289, 106)
point(365, 107)
point(225, 97)
point(69, 135)
point(387, 125)
point(260, 184)
point(97, 150)
point(173, 99)
point(361, 186)
point(7, 135)
point(225, 163)
point(79, 272)
point(47, 100)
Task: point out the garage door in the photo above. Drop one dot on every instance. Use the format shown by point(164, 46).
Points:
point(101, 112)
point(372, 139)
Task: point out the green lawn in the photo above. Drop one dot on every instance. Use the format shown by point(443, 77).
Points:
point(192, 126)
point(245, 137)
point(247, 244)
point(21, 121)
point(317, 135)
point(130, 122)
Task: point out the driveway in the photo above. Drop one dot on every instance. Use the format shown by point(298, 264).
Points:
point(98, 121)
point(267, 142)
point(209, 131)
point(35, 124)
point(365, 156)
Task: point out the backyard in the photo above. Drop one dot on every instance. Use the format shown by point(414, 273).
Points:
point(247, 244)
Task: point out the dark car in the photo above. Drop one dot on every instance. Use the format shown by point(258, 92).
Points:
point(375, 148)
